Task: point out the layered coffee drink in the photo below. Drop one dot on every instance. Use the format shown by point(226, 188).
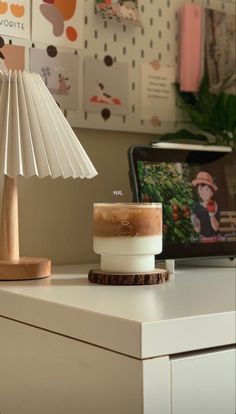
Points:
point(128, 235)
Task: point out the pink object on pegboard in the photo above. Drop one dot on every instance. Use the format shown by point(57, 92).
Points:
point(191, 47)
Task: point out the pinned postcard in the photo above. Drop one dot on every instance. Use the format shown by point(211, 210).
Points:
point(58, 22)
point(12, 57)
point(15, 18)
point(59, 73)
point(157, 93)
point(121, 11)
point(106, 86)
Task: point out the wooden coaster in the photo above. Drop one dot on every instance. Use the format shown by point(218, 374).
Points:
point(108, 278)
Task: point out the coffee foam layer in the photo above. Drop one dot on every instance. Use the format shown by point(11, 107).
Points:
point(112, 221)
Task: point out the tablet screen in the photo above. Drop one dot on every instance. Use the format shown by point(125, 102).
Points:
point(198, 192)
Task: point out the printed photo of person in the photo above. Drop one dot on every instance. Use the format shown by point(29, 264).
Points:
point(205, 213)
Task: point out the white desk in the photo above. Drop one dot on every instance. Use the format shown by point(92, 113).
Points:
point(67, 346)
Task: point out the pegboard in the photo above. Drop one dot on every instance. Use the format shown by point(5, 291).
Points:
point(157, 39)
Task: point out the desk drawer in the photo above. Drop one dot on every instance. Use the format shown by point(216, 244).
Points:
point(204, 383)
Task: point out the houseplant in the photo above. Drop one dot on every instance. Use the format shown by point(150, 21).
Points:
point(212, 114)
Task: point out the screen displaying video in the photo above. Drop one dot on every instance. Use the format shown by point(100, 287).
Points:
point(199, 199)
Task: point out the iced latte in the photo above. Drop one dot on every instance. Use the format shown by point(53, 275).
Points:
point(127, 236)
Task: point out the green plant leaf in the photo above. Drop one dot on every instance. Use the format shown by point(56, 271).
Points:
point(205, 98)
point(214, 114)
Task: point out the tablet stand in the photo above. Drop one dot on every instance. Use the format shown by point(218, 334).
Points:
point(170, 265)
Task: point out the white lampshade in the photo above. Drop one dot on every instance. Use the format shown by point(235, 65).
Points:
point(35, 137)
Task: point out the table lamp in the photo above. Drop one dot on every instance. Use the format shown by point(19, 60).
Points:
point(35, 139)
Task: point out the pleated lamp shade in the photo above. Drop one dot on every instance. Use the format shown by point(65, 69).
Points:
point(35, 139)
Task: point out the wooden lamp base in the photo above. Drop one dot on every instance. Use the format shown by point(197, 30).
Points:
point(109, 278)
point(12, 266)
point(25, 268)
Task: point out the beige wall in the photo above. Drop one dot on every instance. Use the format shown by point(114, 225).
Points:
point(56, 215)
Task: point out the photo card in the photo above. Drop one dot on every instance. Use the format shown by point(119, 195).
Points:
point(60, 73)
point(106, 86)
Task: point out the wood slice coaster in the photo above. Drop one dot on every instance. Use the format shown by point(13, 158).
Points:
point(108, 278)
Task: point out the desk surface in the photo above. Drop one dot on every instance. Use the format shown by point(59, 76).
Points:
point(194, 310)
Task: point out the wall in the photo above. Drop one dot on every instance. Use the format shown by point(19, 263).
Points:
point(56, 215)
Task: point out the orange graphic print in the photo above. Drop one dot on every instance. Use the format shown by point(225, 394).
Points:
point(66, 7)
point(3, 7)
point(17, 10)
point(71, 33)
point(57, 12)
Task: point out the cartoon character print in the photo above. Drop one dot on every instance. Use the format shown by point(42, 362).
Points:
point(128, 10)
point(125, 229)
point(104, 97)
point(64, 87)
point(205, 214)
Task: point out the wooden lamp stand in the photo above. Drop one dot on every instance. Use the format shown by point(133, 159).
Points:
point(12, 266)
